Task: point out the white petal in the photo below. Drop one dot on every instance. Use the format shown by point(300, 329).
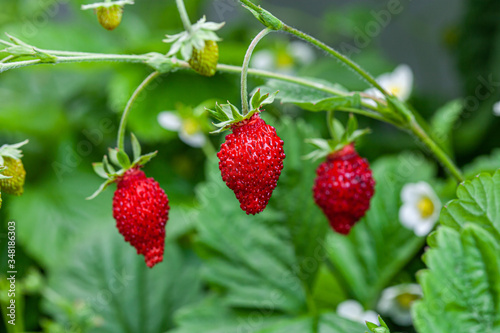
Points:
point(302, 52)
point(264, 59)
point(409, 216)
point(423, 227)
point(371, 316)
point(402, 77)
point(169, 120)
point(350, 309)
point(374, 92)
point(413, 192)
point(496, 109)
point(369, 102)
point(196, 140)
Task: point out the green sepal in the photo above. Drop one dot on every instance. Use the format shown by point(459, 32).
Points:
point(145, 159)
point(118, 157)
point(100, 189)
point(99, 169)
point(258, 100)
point(108, 168)
point(228, 114)
point(107, 4)
point(185, 41)
point(12, 151)
point(161, 62)
point(374, 328)
point(2, 168)
point(341, 137)
point(266, 18)
point(136, 147)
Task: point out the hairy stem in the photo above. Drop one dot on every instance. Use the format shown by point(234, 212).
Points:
point(244, 69)
point(184, 15)
point(128, 107)
point(440, 155)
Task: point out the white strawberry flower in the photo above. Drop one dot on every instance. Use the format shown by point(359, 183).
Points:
point(190, 131)
point(496, 109)
point(420, 209)
point(284, 59)
point(399, 83)
point(353, 310)
point(396, 302)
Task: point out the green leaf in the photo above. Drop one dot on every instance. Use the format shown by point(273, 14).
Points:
point(64, 210)
point(254, 268)
point(136, 147)
point(489, 163)
point(214, 316)
point(462, 286)
point(443, 121)
point(479, 202)
point(295, 186)
point(311, 99)
point(120, 293)
point(379, 245)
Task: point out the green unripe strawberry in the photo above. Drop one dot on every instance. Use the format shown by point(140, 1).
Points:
point(14, 169)
point(109, 17)
point(205, 61)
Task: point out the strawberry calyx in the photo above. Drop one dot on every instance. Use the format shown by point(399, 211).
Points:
point(97, 5)
point(11, 151)
point(229, 115)
point(185, 41)
point(119, 159)
point(342, 141)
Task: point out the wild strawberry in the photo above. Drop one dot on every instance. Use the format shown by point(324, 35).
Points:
point(251, 160)
point(204, 61)
point(109, 17)
point(140, 208)
point(15, 169)
point(343, 188)
point(198, 46)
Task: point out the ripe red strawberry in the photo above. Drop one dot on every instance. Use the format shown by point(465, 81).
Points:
point(205, 61)
point(251, 160)
point(140, 208)
point(343, 188)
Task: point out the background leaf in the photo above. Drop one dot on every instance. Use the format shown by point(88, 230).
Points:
point(462, 285)
point(379, 245)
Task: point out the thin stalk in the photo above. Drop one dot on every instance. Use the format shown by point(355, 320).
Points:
point(364, 74)
point(440, 155)
point(128, 107)
point(329, 123)
point(184, 16)
point(244, 69)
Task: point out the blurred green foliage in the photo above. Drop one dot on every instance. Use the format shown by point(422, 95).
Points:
point(219, 263)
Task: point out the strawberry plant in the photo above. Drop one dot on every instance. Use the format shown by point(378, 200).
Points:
point(331, 204)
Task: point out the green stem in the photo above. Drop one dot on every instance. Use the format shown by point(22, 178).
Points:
point(244, 69)
point(329, 123)
point(364, 74)
point(184, 16)
point(128, 107)
point(440, 155)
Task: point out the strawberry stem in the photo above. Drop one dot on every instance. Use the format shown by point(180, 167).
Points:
point(184, 15)
point(244, 69)
point(128, 107)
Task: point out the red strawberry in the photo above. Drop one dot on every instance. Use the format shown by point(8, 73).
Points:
point(343, 188)
point(251, 160)
point(140, 208)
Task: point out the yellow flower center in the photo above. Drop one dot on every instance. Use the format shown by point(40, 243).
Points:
point(284, 60)
point(405, 300)
point(395, 90)
point(426, 207)
point(190, 126)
